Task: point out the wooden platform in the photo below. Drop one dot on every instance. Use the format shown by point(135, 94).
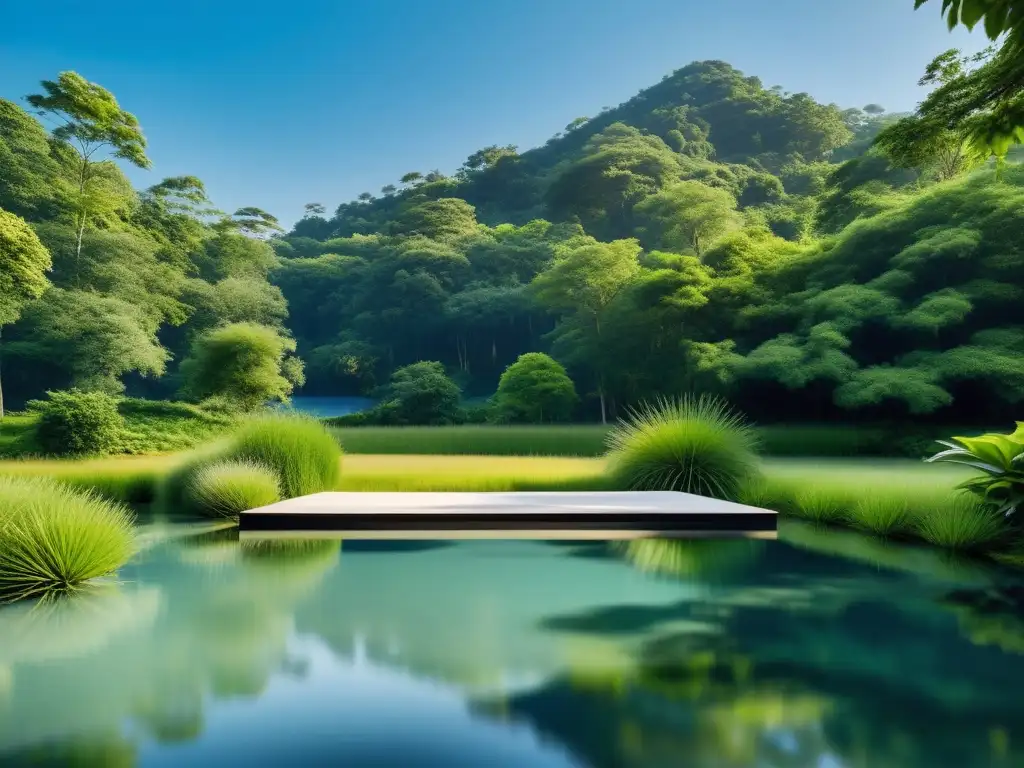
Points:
point(550, 515)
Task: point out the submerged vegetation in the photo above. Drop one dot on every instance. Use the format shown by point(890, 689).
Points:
point(54, 537)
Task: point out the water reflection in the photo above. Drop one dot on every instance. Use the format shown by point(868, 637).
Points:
point(740, 653)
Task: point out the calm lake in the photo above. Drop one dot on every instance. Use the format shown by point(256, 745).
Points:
point(825, 651)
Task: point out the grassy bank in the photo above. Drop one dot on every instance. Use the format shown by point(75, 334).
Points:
point(131, 478)
point(151, 427)
point(814, 440)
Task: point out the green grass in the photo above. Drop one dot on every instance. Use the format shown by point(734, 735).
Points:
point(881, 514)
point(54, 537)
point(583, 440)
point(227, 488)
point(305, 456)
point(151, 427)
point(961, 523)
point(129, 479)
point(693, 445)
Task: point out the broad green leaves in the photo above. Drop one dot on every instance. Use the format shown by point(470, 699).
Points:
point(1000, 459)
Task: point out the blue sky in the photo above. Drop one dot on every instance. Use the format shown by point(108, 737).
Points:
point(277, 104)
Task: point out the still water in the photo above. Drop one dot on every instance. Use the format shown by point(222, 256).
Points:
point(326, 407)
point(823, 650)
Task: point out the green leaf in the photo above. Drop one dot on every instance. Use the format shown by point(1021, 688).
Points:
point(971, 12)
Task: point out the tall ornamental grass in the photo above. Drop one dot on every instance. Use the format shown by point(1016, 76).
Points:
point(228, 488)
point(692, 444)
point(298, 451)
point(54, 537)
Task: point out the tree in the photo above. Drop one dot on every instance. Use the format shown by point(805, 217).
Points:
point(535, 389)
point(985, 103)
point(24, 262)
point(388, 189)
point(687, 216)
point(252, 221)
point(584, 279)
point(246, 363)
point(421, 393)
point(89, 340)
point(314, 209)
point(411, 177)
point(924, 142)
point(28, 171)
point(365, 197)
point(91, 121)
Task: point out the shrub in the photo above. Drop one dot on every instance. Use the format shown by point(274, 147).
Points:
point(964, 523)
point(881, 514)
point(53, 537)
point(227, 488)
point(535, 389)
point(305, 456)
point(695, 445)
point(77, 423)
point(246, 363)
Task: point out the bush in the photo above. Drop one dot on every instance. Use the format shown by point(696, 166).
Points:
point(694, 445)
point(965, 523)
point(53, 537)
point(77, 423)
point(420, 393)
point(299, 449)
point(535, 389)
point(227, 488)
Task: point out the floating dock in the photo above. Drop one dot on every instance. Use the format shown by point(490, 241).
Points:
point(548, 515)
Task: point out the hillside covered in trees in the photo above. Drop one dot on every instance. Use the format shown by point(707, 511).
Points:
point(709, 234)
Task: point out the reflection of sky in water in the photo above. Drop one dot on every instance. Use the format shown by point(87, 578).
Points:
point(364, 711)
point(491, 653)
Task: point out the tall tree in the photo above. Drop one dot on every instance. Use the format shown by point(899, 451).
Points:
point(582, 283)
point(24, 262)
point(91, 123)
point(686, 216)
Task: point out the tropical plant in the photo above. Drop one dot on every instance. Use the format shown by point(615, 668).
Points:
point(999, 457)
point(691, 444)
point(54, 537)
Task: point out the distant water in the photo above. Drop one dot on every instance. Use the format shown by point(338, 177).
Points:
point(323, 407)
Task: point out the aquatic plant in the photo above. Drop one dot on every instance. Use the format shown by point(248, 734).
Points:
point(227, 488)
point(691, 444)
point(963, 523)
point(299, 449)
point(54, 537)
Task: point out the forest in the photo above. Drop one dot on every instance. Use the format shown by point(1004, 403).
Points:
point(807, 261)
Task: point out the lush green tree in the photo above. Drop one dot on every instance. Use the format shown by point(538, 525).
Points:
point(245, 363)
point(252, 221)
point(420, 393)
point(24, 262)
point(688, 216)
point(581, 285)
point(85, 340)
point(536, 390)
point(90, 122)
point(28, 171)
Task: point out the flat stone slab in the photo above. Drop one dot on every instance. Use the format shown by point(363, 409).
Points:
point(598, 514)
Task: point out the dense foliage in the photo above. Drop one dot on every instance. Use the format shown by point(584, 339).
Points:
point(77, 423)
point(709, 234)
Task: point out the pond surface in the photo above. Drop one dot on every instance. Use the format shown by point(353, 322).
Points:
point(325, 407)
point(826, 652)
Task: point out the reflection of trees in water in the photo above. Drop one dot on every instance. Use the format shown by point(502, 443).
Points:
point(77, 666)
point(694, 558)
point(867, 682)
point(991, 617)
